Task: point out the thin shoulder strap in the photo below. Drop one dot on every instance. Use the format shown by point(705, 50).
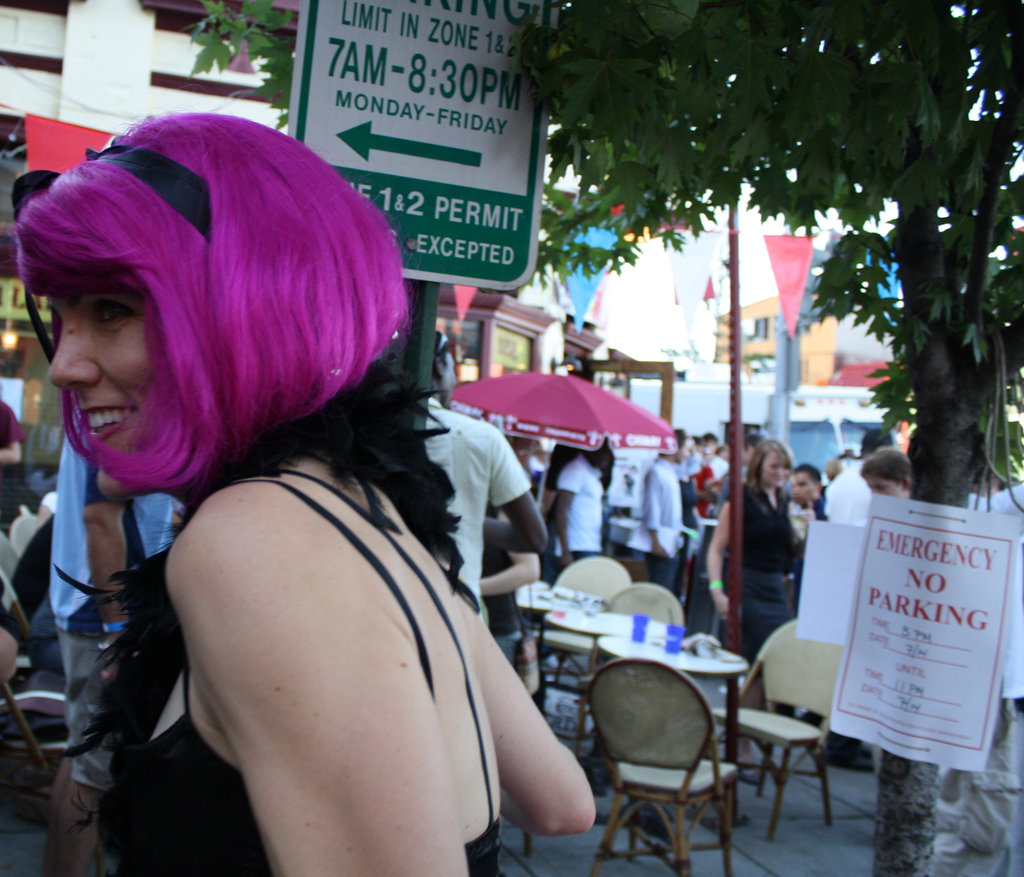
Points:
point(370, 558)
point(374, 514)
point(184, 682)
point(439, 605)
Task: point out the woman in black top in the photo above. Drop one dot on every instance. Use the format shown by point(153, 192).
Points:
point(767, 547)
point(304, 687)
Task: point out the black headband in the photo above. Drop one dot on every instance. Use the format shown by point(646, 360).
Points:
point(180, 188)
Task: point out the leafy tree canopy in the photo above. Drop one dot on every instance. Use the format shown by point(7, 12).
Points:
point(669, 110)
point(256, 30)
point(673, 109)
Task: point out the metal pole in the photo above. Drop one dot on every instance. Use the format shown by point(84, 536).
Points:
point(735, 583)
point(418, 357)
point(779, 418)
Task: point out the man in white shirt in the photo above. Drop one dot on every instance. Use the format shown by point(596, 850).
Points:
point(659, 533)
point(1009, 501)
point(579, 508)
point(483, 468)
point(848, 496)
point(980, 814)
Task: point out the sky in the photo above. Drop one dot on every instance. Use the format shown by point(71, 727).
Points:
point(641, 316)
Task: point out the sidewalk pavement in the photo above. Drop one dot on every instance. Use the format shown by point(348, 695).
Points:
point(803, 847)
point(21, 843)
point(803, 844)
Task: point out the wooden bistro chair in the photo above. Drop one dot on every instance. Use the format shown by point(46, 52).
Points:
point(576, 653)
point(798, 673)
point(601, 576)
point(657, 734)
point(9, 600)
point(647, 598)
point(29, 762)
point(22, 530)
point(9, 557)
point(644, 598)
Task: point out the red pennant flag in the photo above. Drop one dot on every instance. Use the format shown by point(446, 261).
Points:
point(791, 259)
point(56, 146)
point(463, 299)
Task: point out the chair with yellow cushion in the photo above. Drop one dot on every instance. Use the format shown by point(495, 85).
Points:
point(797, 673)
point(600, 576)
point(647, 598)
point(23, 528)
point(657, 735)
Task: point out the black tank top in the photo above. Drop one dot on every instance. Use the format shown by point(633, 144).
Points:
point(189, 813)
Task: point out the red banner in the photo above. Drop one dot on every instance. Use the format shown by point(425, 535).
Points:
point(56, 146)
point(791, 260)
point(463, 299)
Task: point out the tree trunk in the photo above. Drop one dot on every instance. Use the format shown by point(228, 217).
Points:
point(950, 391)
point(905, 817)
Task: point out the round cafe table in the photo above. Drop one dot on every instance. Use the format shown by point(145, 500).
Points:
point(541, 601)
point(541, 597)
point(536, 597)
point(602, 623)
point(721, 663)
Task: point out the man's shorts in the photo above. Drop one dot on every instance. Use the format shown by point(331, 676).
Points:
point(83, 662)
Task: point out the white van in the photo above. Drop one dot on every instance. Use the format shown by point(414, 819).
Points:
point(824, 422)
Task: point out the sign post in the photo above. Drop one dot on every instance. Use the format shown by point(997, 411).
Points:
point(420, 105)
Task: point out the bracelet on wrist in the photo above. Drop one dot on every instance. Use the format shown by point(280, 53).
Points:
point(114, 626)
point(716, 585)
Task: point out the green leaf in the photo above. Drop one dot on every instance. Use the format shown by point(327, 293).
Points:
point(672, 18)
point(215, 52)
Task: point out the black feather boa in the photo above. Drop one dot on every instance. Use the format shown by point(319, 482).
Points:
point(368, 437)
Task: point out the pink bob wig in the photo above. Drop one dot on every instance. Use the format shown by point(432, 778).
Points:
point(284, 304)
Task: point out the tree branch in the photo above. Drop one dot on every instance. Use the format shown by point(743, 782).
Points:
point(1013, 344)
point(994, 172)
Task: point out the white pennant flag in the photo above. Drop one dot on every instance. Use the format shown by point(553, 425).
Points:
point(691, 269)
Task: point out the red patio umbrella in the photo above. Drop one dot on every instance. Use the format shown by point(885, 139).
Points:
point(568, 409)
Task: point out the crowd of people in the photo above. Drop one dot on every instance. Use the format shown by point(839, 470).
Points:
point(220, 539)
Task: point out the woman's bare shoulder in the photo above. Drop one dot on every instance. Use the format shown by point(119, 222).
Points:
point(258, 533)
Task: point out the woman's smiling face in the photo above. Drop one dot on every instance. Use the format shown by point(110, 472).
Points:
point(102, 358)
point(774, 472)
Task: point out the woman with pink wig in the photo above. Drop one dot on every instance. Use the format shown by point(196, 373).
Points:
point(304, 686)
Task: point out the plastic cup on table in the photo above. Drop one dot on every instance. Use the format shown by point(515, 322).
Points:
point(674, 634)
point(640, 628)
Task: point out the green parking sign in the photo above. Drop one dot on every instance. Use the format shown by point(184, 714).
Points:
point(420, 105)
